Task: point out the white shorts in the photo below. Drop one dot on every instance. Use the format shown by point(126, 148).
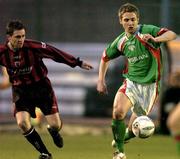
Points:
point(142, 96)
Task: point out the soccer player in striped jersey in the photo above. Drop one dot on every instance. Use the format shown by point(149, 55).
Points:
point(140, 44)
point(31, 87)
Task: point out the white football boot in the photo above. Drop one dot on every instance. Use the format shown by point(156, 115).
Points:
point(113, 144)
point(119, 155)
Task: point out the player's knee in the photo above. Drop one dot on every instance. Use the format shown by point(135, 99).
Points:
point(56, 126)
point(119, 114)
point(54, 121)
point(24, 125)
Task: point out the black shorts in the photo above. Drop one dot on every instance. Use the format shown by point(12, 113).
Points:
point(171, 95)
point(39, 94)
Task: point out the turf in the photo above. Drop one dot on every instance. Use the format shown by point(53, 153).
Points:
point(14, 146)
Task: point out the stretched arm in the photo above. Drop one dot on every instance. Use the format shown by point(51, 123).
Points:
point(47, 51)
point(167, 36)
point(63, 57)
point(101, 84)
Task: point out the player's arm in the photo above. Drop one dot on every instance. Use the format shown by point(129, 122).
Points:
point(109, 53)
point(48, 51)
point(163, 35)
point(167, 36)
point(63, 57)
point(5, 79)
point(101, 84)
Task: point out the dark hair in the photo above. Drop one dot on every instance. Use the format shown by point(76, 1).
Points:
point(128, 7)
point(14, 25)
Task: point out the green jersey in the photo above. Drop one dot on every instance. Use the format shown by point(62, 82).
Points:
point(142, 65)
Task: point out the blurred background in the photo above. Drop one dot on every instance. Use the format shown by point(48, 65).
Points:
point(83, 20)
point(83, 28)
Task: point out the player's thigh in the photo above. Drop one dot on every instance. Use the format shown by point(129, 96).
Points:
point(174, 118)
point(54, 120)
point(121, 105)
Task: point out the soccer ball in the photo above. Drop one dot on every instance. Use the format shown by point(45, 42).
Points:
point(143, 127)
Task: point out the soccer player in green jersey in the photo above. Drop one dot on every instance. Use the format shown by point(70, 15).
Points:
point(141, 45)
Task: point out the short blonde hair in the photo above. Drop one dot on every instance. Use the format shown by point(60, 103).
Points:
point(128, 7)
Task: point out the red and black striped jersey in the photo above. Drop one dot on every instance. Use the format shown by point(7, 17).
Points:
point(26, 66)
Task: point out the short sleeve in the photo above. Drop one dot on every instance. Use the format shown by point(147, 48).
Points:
point(111, 51)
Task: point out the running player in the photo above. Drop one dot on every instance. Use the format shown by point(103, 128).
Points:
point(30, 84)
point(172, 96)
point(141, 45)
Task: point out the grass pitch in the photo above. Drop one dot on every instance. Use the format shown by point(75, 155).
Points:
point(14, 146)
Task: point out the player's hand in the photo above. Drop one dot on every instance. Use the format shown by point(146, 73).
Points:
point(86, 66)
point(147, 37)
point(101, 87)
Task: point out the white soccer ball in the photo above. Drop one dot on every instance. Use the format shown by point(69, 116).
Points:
point(143, 127)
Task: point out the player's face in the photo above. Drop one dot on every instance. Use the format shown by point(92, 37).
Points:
point(129, 21)
point(17, 39)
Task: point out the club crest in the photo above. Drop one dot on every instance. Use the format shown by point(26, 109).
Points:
point(131, 47)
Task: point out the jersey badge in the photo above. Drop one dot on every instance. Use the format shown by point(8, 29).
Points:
point(131, 47)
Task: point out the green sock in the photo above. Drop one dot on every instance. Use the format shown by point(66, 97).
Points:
point(177, 139)
point(129, 134)
point(119, 130)
point(178, 147)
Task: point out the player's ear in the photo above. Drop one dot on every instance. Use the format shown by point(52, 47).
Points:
point(120, 20)
point(138, 20)
point(8, 37)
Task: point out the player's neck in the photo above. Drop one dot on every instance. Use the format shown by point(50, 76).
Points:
point(11, 47)
point(128, 34)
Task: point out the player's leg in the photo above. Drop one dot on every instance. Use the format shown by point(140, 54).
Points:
point(49, 107)
point(23, 121)
point(120, 108)
point(144, 104)
point(54, 126)
point(174, 126)
point(129, 134)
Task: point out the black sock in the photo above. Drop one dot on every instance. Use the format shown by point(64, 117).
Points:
point(58, 140)
point(33, 137)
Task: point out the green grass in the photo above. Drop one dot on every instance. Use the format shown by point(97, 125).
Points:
point(14, 146)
